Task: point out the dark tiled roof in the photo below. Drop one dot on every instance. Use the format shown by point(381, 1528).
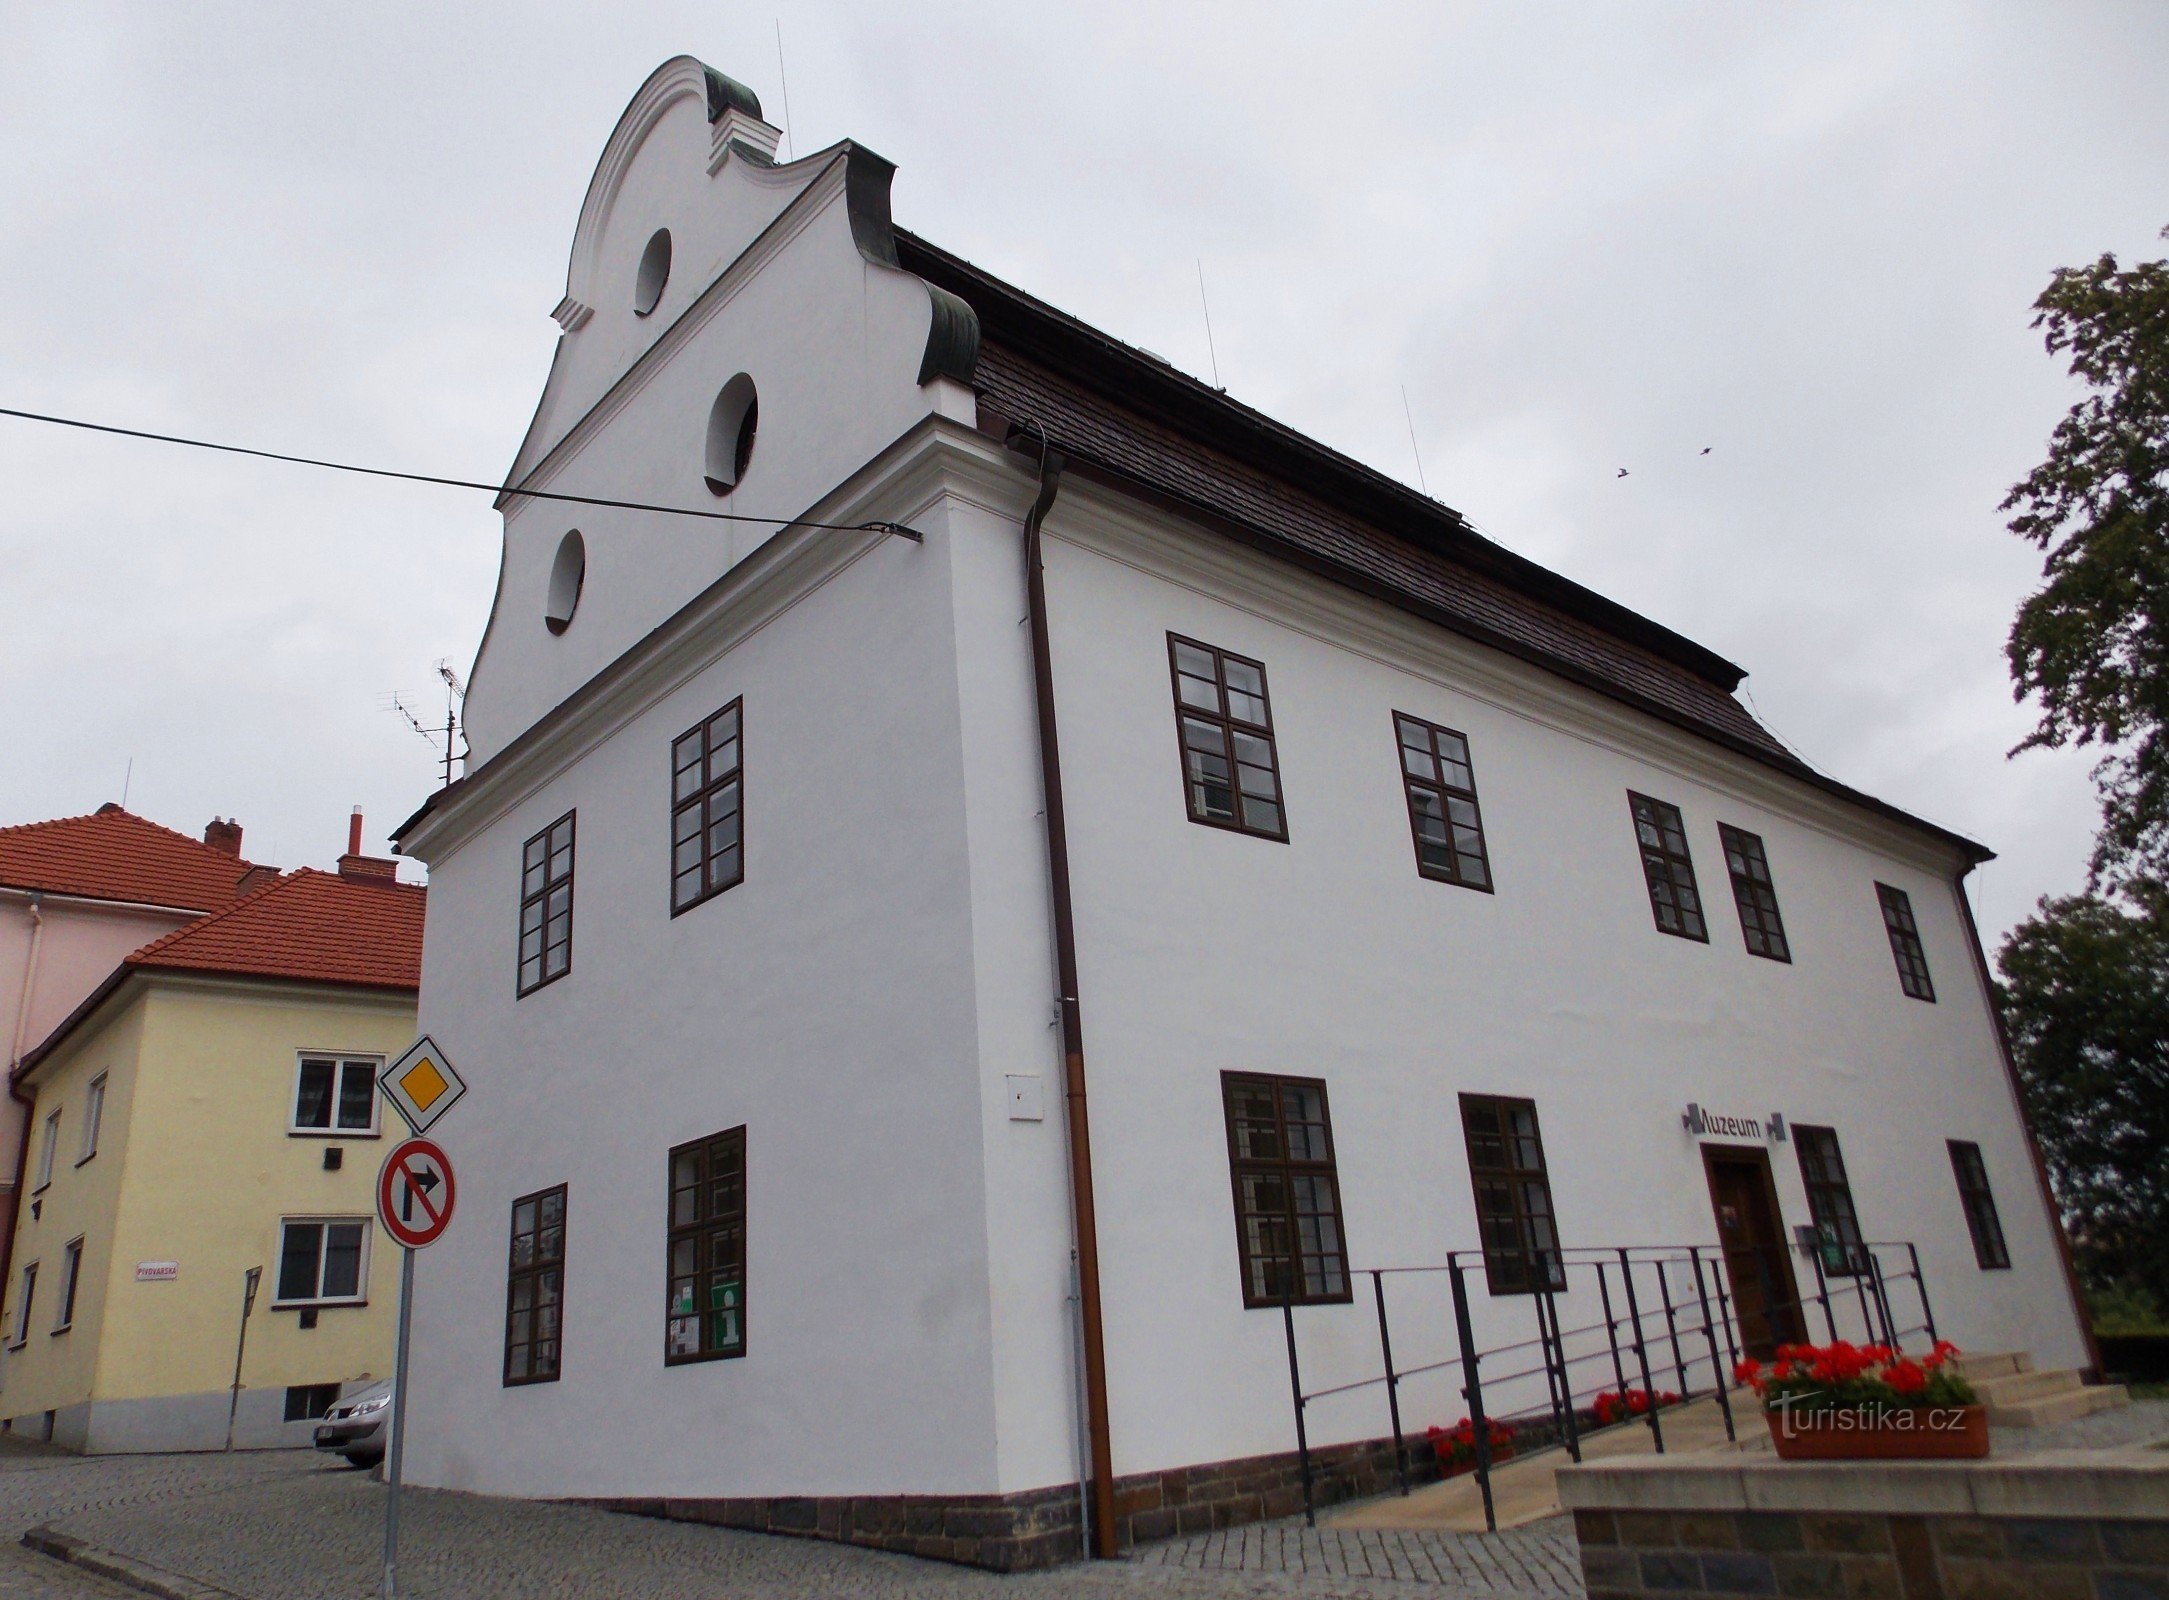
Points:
point(117, 855)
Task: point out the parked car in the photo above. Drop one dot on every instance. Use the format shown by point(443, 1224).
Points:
point(359, 1426)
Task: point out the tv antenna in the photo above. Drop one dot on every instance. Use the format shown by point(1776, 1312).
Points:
point(455, 700)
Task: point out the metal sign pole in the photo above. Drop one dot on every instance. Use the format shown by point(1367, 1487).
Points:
point(249, 1280)
point(399, 1424)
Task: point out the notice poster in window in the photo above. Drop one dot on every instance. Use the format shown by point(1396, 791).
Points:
point(684, 1336)
point(723, 1302)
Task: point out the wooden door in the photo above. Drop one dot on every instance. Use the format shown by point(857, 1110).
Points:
point(1765, 1304)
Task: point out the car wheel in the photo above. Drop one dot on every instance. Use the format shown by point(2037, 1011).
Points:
point(363, 1458)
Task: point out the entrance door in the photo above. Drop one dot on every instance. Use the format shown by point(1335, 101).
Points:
point(1749, 1226)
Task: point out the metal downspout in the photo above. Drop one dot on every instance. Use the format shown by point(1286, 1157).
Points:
point(1072, 1015)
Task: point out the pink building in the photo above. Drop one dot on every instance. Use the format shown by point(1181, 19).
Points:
point(77, 896)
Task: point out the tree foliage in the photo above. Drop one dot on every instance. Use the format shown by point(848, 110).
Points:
point(2086, 998)
point(2093, 644)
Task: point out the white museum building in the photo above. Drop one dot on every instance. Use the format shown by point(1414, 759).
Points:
point(1045, 891)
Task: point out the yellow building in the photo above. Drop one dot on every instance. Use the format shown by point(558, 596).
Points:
point(209, 1111)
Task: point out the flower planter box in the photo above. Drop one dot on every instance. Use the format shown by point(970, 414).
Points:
point(1913, 1433)
point(1455, 1466)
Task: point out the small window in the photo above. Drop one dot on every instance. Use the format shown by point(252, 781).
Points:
point(1442, 803)
point(1230, 767)
point(707, 808)
point(334, 1094)
point(22, 1310)
point(733, 421)
point(47, 1150)
point(1979, 1200)
point(93, 1118)
point(535, 1292)
point(321, 1261)
point(706, 1317)
point(71, 1274)
point(1830, 1202)
point(546, 906)
point(305, 1402)
point(1754, 893)
point(568, 577)
point(653, 274)
point(1287, 1190)
point(1514, 1216)
point(1905, 946)
point(1668, 867)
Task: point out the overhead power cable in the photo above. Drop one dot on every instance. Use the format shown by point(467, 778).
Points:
point(897, 528)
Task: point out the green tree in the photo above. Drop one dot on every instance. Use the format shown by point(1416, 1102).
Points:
point(2085, 996)
point(2093, 644)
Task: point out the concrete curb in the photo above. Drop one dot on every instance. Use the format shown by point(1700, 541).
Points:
point(110, 1564)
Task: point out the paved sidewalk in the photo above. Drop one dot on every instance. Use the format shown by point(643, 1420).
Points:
point(288, 1526)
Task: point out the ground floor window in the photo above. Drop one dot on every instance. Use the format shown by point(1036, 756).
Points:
point(535, 1296)
point(1514, 1217)
point(71, 1273)
point(1830, 1202)
point(22, 1311)
point(305, 1402)
point(320, 1261)
point(1980, 1203)
point(1287, 1190)
point(707, 1253)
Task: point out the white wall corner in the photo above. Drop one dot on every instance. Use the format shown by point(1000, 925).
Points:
point(571, 315)
point(735, 127)
point(954, 400)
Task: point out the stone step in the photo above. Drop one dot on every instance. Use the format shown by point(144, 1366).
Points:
point(2062, 1407)
point(2020, 1386)
point(1978, 1364)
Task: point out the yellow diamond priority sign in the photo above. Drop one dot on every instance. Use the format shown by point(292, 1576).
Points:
point(421, 1084)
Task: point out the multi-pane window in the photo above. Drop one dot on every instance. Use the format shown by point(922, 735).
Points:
point(535, 1291)
point(1230, 769)
point(1442, 803)
point(1980, 1203)
point(22, 1312)
point(1514, 1216)
point(48, 1149)
point(93, 1118)
point(1830, 1202)
point(1668, 867)
point(707, 1314)
point(1905, 946)
point(335, 1095)
point(707, 846)
point(1287, 1193)
point(305, 1402)
point(546, 905)
point(1753, 893)
point(320, 1260)
point(71, 1274)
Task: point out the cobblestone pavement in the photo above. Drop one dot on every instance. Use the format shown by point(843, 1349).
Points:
point(1539, 1559)
point(288, 1526)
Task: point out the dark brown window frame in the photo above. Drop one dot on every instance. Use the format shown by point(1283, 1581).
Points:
point(698, 1233)
point(1513, 1175)
point(1297, 1289)
point(538, 1265)
point(1446, 792)
point(1906, 948)
point(1754, 898)
point(1841, 1244)
point(540, 897)
point(1991, 1249)
point(1229, 726)
point(1673, 868)
point(733, 778)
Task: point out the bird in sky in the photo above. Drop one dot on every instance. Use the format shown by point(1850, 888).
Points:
point(1622, 472)
point(1706, 449)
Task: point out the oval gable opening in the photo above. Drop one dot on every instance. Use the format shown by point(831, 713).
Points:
point(732, 423)
point(568, 576)
point(653, 274)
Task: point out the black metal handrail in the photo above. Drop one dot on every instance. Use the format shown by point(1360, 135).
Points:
point(1711, 1315)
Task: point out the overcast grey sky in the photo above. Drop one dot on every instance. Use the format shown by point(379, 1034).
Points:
point(1584, 237)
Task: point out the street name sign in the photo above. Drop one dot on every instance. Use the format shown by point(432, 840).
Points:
point(421, 1084)
point(415, 1192)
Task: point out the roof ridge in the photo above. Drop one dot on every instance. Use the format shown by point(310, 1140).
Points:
point(112, 810)
point(262, 891)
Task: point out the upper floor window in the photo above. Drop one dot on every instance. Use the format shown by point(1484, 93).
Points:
point(1229, 765)
point(48, 1148)
point(1668, 867)
point(1287, 1189)
point(707, 845)
point(535, 1290)
point(1905, 945)
point(1754, 893)
point(707, 1250)
point(546, 905)
point(334, 1094)
point(1514, 1217)
point(24, 1301)
point(1830, 1201)
point(1979, 1200)
point(71, 1275)
point(93, 1118)
point(320, 1261)
point(1442, 803)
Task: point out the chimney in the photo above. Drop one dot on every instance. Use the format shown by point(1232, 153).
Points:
point(358, 868)
point(223, 833)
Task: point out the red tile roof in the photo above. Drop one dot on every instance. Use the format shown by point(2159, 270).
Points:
point(117, 855)
point(312, 926)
